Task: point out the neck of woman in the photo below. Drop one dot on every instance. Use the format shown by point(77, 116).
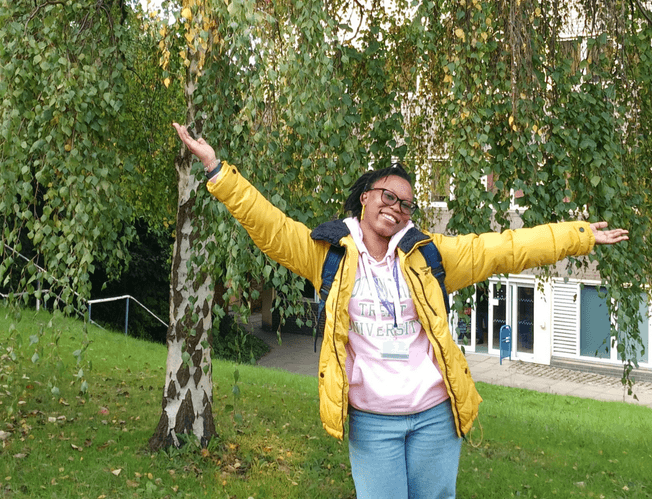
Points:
point(375, 243)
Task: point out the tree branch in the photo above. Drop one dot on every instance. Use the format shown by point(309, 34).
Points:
point(37, 9)
point(644, 12)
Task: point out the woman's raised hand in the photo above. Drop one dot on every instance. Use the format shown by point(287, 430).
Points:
point(612, 236)
point(199, 147)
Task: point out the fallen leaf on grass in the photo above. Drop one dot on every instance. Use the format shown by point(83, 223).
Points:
point(76, 447)
point(131, 483)
point(117, 472)
point(4, 435)
point(20, 456)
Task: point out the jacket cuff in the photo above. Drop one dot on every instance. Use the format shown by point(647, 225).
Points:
point(219, 183)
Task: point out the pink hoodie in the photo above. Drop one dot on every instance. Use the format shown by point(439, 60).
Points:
point(391, 370)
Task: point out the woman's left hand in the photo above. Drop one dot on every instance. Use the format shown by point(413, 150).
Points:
point(612, 236)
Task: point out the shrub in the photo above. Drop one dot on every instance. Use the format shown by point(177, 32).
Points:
point(232, 342)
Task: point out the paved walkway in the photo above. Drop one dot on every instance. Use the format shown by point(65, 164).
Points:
point(296, 354)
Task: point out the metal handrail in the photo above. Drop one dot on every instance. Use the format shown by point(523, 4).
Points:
point(127, 297)
point(89, 302)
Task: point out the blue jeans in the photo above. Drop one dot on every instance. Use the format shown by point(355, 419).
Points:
point(414, 456)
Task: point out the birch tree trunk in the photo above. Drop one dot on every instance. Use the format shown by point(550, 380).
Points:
point(188, 393)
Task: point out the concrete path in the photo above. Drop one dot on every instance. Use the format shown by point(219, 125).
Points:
point(296, 354)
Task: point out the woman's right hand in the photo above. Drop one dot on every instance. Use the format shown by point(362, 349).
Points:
point(199, 148)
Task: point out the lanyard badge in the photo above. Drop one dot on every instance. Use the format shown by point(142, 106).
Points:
point(392, 349)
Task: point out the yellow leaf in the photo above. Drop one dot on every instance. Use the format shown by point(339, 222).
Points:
point(535, 128)
point(117, 472)
point(511, 120)
point(459, 33)
point(190, 37)
point(166, 82)
point(186, 14)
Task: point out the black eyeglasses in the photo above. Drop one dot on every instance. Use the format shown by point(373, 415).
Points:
point(389, 198)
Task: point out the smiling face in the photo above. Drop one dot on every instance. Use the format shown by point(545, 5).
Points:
point(380, 219)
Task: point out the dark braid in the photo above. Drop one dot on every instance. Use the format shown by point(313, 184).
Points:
point(367, 181)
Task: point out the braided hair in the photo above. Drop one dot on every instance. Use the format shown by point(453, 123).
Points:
point(367, 181)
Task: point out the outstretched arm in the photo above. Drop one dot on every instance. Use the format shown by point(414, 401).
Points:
point(612, 236)
point(286, 241)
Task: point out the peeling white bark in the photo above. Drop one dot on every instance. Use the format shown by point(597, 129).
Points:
point(188, 393)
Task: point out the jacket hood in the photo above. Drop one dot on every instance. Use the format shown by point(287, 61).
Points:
point(331, 232)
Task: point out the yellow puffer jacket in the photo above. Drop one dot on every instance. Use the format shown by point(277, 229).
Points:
point(466, 259)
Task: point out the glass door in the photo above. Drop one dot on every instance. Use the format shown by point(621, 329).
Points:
point(512, 304)
point(481, 319)
point(523, 332)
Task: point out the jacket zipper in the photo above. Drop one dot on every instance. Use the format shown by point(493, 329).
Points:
point(456, 411)
point(337, 355)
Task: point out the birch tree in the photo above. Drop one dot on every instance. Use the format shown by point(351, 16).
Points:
point(188, 391)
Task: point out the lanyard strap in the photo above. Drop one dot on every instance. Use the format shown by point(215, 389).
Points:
point(389, 306)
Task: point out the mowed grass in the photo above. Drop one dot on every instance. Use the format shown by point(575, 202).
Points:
point(75, 420)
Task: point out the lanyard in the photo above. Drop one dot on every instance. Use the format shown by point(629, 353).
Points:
point(382, 294)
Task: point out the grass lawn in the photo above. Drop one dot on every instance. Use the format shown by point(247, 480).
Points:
point(77, 408)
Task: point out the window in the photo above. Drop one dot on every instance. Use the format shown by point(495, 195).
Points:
point(595, 327)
